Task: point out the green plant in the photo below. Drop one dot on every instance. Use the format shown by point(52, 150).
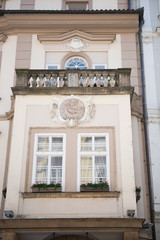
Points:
point(95, 185)
point(138, 193)
point(45, 185)
point(4, 192)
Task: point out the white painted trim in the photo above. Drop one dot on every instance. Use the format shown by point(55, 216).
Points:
point(63, 154)
point(93, 153)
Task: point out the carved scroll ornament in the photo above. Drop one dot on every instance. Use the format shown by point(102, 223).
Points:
point(72, 110)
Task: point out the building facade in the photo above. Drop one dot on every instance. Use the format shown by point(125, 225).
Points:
point(151, 51)
point(71, 114)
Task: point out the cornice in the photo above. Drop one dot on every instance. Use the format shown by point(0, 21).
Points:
point(51, 21)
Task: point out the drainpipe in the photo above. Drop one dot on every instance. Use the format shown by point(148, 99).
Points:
point(146, 130)
point(129, 4)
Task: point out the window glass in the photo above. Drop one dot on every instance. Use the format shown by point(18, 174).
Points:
point(94, 158)
point(76, 6)
point(49, 159)
point(76, 63)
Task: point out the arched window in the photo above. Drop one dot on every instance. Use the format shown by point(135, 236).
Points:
point(76, 63)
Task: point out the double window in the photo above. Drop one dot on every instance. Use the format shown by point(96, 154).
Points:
point(49, 159)
point(92, 156)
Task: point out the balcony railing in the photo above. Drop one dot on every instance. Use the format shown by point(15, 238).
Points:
point(108, 78)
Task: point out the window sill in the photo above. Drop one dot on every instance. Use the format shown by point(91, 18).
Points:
point(72, 195)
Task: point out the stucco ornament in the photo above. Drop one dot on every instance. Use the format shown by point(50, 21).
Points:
point(72, 110)
point(76, 45)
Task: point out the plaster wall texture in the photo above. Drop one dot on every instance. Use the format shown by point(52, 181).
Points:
point(25, 118)
point(72, 208)
point(13, 4)
point(7, 73)
point(47, 4)
point(4, 127)
point(105, 4)
point(27, 4)
point(55, 53)
point(139, 166)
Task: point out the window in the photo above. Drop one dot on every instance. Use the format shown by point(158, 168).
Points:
point(76, 63)
point(93, 157)
point(77, 4)
point(49, 159)
point(52, 66)
point(99, 66)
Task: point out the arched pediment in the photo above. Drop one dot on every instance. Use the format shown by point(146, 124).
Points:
point(62, 37)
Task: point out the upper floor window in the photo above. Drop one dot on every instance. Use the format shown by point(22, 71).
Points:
point(76, 63)
point(77, 4)
point(49, 159)
point(93, 158)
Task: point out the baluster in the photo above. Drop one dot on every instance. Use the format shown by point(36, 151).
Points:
point(98, 82)
point(102, 80)
point(105, 82)
point(80, 81)
point(32, 80)
point(40, 80)
point(112, 82)
point(91, 80)
point(47, 82)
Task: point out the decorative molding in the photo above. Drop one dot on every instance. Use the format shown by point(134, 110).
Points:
point(3, 38)
point(72, 110)
point(76, 45)
point(61, 37)
point(146, 38)
point(8, 115)
point(113, 194)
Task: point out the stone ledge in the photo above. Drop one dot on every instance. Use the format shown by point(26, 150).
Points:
point(72, 90)
point(72, 195)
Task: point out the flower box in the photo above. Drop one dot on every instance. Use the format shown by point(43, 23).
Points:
point(49, 189)
point(92, 189)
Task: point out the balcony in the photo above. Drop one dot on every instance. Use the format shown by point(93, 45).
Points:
point(74, 81)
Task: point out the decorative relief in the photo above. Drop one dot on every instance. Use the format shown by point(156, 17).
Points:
point(76, 45)
point(3, 37)
point(146, 38)
point(72, 110)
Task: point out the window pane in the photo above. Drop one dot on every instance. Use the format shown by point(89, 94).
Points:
point(57, 144)
point(42, 161)
point(100, 169)
point(56, 170)
point(86, 169)
point(86, 144)
point(56, 161)
point(43, 144)
point(100, 144)
point(77, 6)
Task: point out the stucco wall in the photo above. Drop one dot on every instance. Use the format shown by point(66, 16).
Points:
point(33, 111)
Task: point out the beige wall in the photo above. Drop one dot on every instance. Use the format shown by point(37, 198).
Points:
point(4, 128)
point(12, 4)
point(27, 4)
point(7, 73)
point(33, 111)
point(104, 4)
point(122, 4)
point(48, 4)
point(23, 53)
point(130, 58)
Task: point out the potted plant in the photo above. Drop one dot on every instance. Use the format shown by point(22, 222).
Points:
point(138, 193)
point(44, 187)
point(95, 187)
point(4, 192)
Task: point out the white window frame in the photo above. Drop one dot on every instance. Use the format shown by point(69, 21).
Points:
point(54, 65)
point(63, 154)
point(105, 66)
point(93, 154)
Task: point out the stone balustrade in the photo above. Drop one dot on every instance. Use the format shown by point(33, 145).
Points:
point(108, 78)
